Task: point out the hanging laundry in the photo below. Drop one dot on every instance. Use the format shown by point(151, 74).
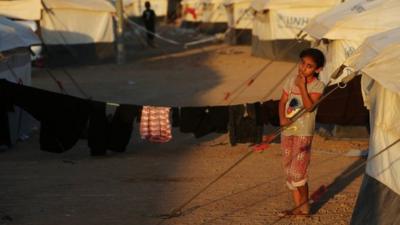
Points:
point(155, 124)
point(113, 133)
point(4, 128)
point(5, 108)
point(245, 124)
point(270, 113)
point(62, 117)
point(175, 117)
point(98, 128)
point(204, 120)
point(121, 127)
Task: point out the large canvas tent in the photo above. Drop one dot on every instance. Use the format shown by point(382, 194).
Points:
point(278, 22)
point(72, 31)
point(345, 27)
point(377, 59)
point(15, 66)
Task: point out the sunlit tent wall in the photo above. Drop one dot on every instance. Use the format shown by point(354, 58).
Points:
point(240, 20)
point(377, 59)
point(135, 8)
point(346, 26)
point(73, 31)
point(81, 31)
point(208, 16)
point(15, 66)
point(277, 23)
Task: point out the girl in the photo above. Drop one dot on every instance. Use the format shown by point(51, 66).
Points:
point(300, 92)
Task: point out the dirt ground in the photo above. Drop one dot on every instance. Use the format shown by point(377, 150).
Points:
point(135, 187)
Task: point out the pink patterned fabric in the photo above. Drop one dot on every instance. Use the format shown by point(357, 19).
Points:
point(296, 151)
point(155, 125)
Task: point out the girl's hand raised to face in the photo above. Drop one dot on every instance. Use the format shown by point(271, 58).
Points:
point(300, 81)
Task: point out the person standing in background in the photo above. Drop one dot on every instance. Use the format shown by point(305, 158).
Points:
point(149, 19)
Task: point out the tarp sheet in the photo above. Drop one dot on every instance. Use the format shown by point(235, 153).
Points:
point(14, 35)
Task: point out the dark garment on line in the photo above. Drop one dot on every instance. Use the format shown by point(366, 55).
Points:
point(345, 106)
point(4, 128)
point(98, 128)
point(5, 107)
point(270, 113)
point(175, 117)
point(121, 127)
point(245, 128)
point(204, 120)
point(62, 117)
point(110, 134)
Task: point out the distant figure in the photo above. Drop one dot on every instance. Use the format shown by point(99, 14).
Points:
point(149, 19)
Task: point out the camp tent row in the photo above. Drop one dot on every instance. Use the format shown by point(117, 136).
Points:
point(15, 66)
point(274, 24)
point(377, 60)
point(88, 37)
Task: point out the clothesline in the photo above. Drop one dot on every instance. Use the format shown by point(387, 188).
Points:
point(64, 117)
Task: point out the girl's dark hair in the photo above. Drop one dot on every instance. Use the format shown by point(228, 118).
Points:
point(316, 55)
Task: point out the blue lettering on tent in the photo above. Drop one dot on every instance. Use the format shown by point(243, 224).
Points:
point(292, 21)
point(348, 51)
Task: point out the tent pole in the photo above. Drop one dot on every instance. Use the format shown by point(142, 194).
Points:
point(120, 32)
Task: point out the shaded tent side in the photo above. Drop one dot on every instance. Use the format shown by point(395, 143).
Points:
point(377, 61)
point(15, 66)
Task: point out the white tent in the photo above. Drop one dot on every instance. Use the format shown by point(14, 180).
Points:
point(377, 59)
point(135, 8)
point(348, 24)
point(15, 66)
point(206, 11)
point(283, 20)
point(86, 27)
point(239, 13)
